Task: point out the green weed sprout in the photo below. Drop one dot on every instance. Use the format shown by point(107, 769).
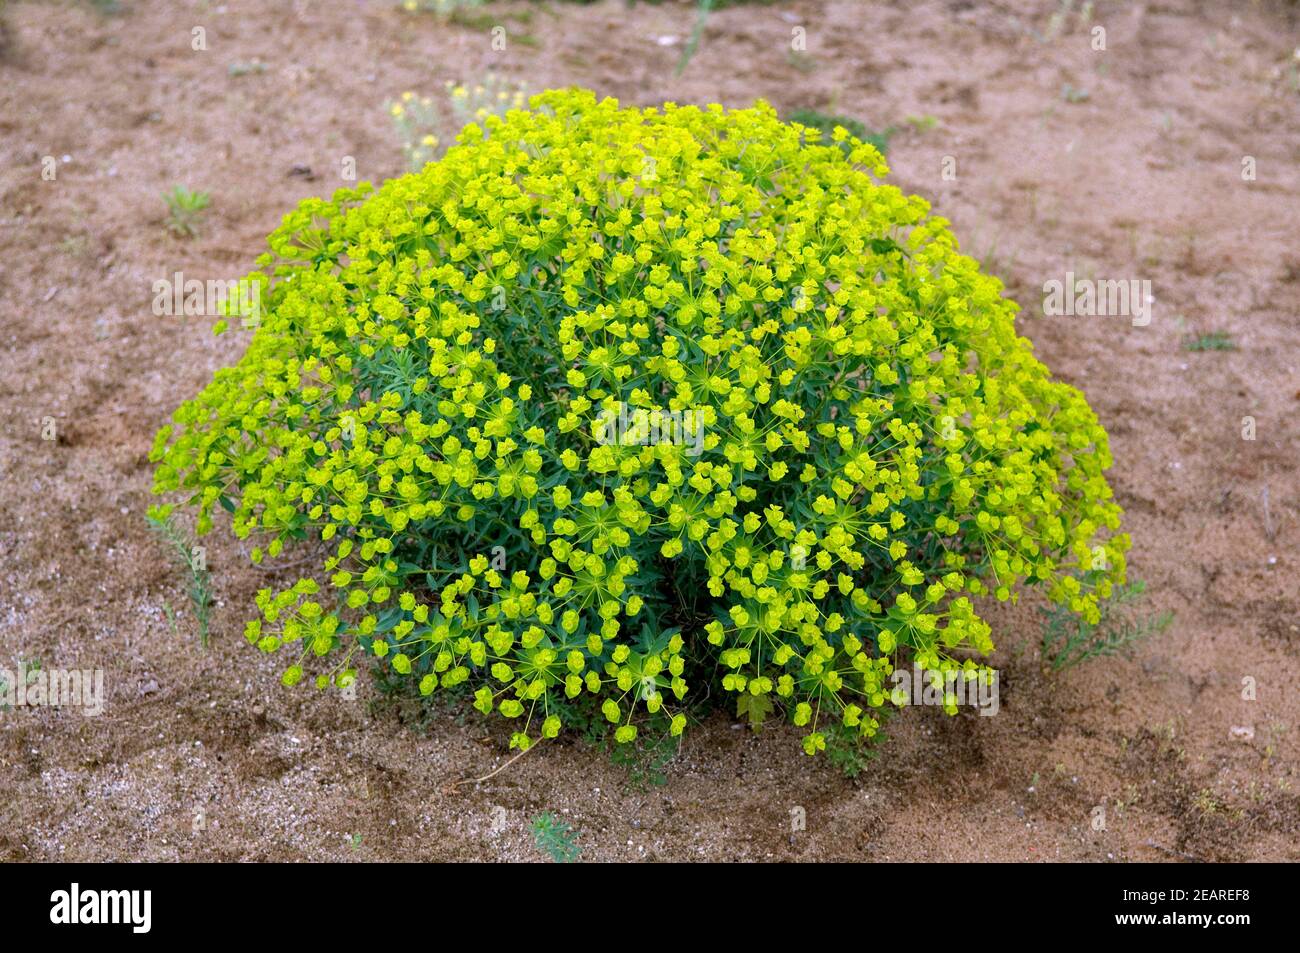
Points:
point(1069, 640)
point(185, 210)
point(555, 838)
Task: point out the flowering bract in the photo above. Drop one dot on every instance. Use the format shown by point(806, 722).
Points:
point(598, 364)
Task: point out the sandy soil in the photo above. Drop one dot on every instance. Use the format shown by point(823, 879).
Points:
point(1139, 178)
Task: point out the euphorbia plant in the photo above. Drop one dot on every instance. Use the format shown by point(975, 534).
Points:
point(430, 389)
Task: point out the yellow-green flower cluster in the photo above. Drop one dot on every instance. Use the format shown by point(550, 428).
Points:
point(443, 8)
point(422, 124)
point(876, 445)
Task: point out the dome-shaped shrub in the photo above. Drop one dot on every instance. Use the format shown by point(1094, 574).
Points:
point(609, 392)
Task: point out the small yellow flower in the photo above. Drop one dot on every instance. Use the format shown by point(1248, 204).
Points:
point(396, 109)
point(430, 140)
point(407, 96)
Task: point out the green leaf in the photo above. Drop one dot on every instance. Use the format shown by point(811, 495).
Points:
point(757, 707)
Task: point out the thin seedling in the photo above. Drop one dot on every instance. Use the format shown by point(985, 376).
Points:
point(693, 43)
point(1069, 639)
point(198, 584)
